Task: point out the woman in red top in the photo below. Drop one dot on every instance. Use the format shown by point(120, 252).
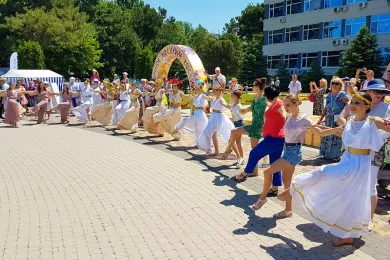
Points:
point(273, 137)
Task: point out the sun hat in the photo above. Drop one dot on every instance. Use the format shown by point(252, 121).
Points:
point(46, 82)
point(345, 78)
point(95, 80)
point(376, 84)
point(124, 73)
point(116, 75)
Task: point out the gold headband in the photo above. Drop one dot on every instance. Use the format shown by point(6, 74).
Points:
point(362, 98)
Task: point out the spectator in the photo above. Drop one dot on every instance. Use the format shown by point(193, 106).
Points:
point(31, 99)
point(234, 86)
point(74, 87)
point(166, 87)
point(36, 82)
point(318, 105)
point(125, 79)
point(95, 75)
point(116, 80)
point(277, 82)
point(352, 89)
point(335, 102)
point(369, 76)
point(3, 86)
point(218, 79)
point(295, 86)
point(345, 81)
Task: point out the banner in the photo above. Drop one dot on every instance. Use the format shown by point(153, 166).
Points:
point(13, 63)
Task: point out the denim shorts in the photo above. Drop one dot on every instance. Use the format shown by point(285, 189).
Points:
point(239, 123)
point(293, 154)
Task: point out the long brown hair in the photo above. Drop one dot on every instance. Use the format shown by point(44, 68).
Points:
point(65, 89)
point(43, 87)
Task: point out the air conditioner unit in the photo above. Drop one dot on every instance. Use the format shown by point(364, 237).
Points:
point(362, 5)
point(336, 42)
point(283, 20)
point(344, 8)
point(336, 9)
point(344, 41)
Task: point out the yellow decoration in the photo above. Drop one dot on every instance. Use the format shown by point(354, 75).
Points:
point(368, 102)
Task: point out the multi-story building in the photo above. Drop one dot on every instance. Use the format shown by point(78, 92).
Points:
point(300, 31)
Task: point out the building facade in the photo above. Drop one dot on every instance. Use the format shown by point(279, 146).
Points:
point(300, 31)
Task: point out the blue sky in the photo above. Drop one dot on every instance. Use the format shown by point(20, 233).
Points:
point(211, 14)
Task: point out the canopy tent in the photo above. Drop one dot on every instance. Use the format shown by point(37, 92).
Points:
point(27, 75)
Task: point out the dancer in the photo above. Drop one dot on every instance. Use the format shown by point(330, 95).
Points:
point(130, 119)
point(64, 106)
point(43, 95)
point(104, 112)
point(147, 118)
point(169, 118)
point(22, 100)
point(336, 197)
point(295, 129)
point(197, 122)
point(12, 115)
point(83, 112)
point(97, 91)
point(123, 105)
point(218, 123)
point(273, 142)
point(254, 131)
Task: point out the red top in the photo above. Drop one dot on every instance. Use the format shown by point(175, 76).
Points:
point(274, 122)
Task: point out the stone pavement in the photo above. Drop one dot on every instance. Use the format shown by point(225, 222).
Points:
point(76, 194)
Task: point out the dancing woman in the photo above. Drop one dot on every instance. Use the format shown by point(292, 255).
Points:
point(147, 118)
point(130, 120)
point(197, 122)
point(123, 106)
point(336, 197)
point(295, 129)
point(96, 94)
point(83, 112)
point(218, 123)
point(12, 115)
point(64, 105)
point(273, 138)
point(168, 119)
point(43, 96)
point(254, 131)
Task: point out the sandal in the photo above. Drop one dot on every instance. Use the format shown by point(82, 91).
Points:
point(226, 154)
point(272, 193)
point(254, 174)
point(240, 177)
point(212, 154)
point(283, 214)
point(260, 203)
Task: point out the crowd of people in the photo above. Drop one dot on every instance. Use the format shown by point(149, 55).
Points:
point(339, 197)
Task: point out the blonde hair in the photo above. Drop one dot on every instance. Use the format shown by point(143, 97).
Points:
point(234, 79)
point(294, 99)
point(337, 79)
point(324, 80)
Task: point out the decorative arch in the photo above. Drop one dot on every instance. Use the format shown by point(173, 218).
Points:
point(188, 58)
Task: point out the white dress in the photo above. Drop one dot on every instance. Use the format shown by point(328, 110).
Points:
point(197, 122)
point(122, 108)
point(82, 111)
point(336, 197)
point(218, 123)
point(147, 118)
point(130, 120)
point(168, 118)
point(97, 98)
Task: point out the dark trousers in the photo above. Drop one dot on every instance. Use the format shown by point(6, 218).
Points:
point(74, 102)
point(1, 109)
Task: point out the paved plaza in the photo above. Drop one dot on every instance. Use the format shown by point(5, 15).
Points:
point(69, 192)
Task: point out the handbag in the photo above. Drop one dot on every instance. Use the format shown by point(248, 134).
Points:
point(311, 97)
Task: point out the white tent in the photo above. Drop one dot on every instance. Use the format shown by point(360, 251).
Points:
point(43, 75)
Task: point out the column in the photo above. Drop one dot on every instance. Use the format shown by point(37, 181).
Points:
point(266, 38)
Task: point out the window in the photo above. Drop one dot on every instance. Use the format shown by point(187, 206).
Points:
point(311, 32)
point(386, 56)
point(380, 23)
point(332, 30)
point(356, 1)
point(275, 37)
point(292, 34)
point(353, 26)
point(273, 61)
point(330, 58)
point(308, 58)
point(291, 61)
point(311, 5)
point(276, 10)
point(331, 3)
point(293, 6)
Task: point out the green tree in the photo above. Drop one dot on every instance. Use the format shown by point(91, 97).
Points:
point(146, 22)
point(315, 73)
point(254, 63)
point(31, 56)
point(68, 41)
point(284, 76)
point(362, 52)
point(144, 62)
point(170, 33)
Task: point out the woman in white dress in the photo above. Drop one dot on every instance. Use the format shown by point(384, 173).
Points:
point(147, 117)
point(218, 123)
point(169, 118)
point(123, 106)
point(96, 94)
point(336, 197)
point(130, 120)
point(197, 122)
point(83, 112)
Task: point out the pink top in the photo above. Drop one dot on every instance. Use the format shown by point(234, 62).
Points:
point(12, 94)
point(296, 128)
point(274, 122)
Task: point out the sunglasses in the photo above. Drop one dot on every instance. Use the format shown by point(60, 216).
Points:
point(379, 92)
point(336, 84)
